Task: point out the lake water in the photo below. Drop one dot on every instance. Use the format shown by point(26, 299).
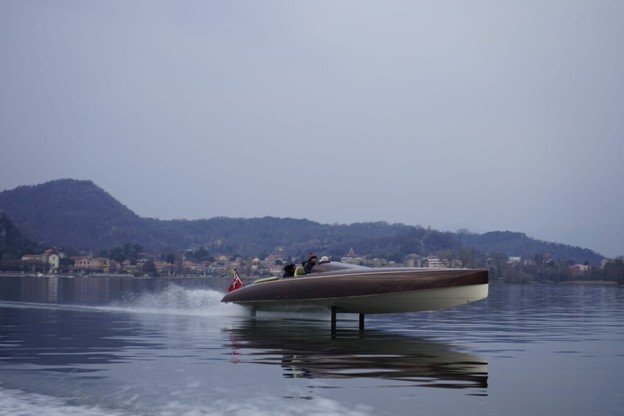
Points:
point(124, 346)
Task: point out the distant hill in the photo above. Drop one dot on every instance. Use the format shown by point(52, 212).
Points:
point(262, 236)
point(72, 213)
point(80, 215)
point(519, 244)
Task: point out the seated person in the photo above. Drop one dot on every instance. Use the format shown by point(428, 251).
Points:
point(289, 270)
point(310, 263)
point(300, 270)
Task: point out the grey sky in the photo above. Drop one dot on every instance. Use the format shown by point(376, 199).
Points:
point(486, 115)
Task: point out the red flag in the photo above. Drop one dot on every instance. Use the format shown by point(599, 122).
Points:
point(236, 283)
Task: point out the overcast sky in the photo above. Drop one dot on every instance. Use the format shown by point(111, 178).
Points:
point(485, 115)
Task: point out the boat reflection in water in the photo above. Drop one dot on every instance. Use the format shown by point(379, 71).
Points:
point(304, 349)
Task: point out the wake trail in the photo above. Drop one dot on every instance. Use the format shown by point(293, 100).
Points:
point(174, 300)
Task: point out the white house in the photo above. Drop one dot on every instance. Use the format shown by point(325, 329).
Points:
point(49, 259)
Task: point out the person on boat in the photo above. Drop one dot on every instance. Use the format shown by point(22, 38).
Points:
point(310, 263)
point(300, 270)
point(289, 270)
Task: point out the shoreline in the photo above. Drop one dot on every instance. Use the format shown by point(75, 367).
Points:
point(97, 275)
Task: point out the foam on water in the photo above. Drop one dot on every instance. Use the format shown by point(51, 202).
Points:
point(19, 403)
point(176, 300)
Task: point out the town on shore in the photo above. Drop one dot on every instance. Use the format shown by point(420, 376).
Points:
point(132, 262)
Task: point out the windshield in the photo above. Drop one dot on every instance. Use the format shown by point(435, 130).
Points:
point(336, 266)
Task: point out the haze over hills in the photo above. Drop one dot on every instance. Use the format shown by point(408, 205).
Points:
point(78, 214)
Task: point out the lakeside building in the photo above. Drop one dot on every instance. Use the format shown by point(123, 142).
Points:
point(579, 269)
point(94, 264)
point(413, 260)
point(49, 261)
point(434, 262)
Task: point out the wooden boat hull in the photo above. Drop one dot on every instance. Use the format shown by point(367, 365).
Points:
point(368, 291)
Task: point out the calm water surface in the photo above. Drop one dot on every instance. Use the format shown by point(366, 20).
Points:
point(123, 346)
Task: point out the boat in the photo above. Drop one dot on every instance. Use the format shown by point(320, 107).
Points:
point(346, 288)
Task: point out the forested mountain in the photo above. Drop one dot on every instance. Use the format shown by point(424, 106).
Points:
point(261, 236)
point(76, 214)
point(12, 243)
point(72, 213)
point(523, 246)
